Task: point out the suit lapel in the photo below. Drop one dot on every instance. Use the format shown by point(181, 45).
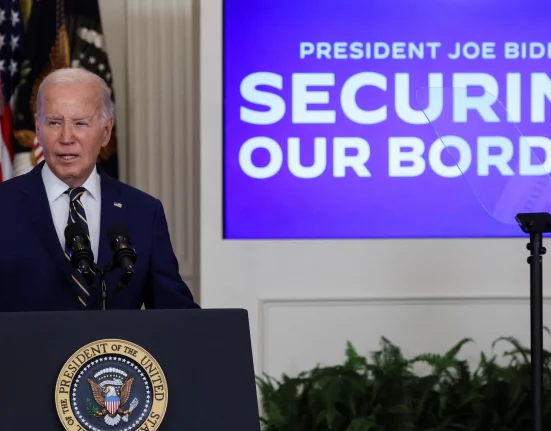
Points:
point(42, 222)
point(42, 218)
point(112, 210)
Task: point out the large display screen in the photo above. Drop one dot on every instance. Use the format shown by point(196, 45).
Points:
point(384, 119)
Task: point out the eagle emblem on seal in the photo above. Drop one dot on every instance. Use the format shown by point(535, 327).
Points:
point(111, 390)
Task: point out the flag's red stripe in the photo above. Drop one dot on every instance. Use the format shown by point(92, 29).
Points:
point(7, 129)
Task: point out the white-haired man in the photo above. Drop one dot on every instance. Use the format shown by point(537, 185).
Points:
point(74, 120)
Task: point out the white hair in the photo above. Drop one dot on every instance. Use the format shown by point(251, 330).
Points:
point(74, 75)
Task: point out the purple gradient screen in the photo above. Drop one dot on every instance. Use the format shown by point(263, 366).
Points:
point(313, 121)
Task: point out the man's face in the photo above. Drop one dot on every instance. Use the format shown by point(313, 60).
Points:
point(72, 131)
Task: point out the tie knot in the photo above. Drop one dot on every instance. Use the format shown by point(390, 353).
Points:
point(76, 193)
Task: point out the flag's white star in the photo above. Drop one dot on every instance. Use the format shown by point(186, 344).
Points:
point(2, 66)
point(14, 42)
point(92, 60)
point(1, 40)
point(13, 67)
point(2, 15)
point(101, 67)
point(108, 76)
point(14, 18)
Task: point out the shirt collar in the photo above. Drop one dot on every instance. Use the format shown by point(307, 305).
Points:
point(55, 187)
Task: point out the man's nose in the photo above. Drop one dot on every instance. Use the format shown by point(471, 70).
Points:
point(67, 133)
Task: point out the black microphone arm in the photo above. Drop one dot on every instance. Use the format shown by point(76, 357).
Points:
point(124, 254)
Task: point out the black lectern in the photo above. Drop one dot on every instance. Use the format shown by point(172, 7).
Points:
point(173, 370)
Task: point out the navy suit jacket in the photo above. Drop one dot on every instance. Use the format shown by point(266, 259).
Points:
point(35, 275)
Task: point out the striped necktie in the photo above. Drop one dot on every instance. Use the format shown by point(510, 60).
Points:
point(78, 215)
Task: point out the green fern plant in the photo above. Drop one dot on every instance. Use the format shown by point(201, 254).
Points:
point(384, 394)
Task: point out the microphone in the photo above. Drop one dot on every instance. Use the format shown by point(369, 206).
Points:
point(124, 255)
point(81, 254)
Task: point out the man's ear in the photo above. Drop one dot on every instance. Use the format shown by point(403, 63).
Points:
point(37, 125)
point(107, 129)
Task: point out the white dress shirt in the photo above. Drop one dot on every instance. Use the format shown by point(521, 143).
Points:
point(59, 205)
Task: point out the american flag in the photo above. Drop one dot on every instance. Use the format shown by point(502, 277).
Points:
point(59, 33)
point(11, 34)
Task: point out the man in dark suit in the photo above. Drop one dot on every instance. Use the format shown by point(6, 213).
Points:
point(74, 120)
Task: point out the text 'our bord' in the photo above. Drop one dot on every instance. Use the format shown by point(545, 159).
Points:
point(448, 156)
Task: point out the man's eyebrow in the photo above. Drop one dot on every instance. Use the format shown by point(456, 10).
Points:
point(59, 117)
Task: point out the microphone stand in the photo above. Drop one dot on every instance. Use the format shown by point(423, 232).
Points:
point(120, 285)
point(535, 224)
point(101, 272)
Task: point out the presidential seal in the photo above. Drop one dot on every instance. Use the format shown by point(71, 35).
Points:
point(111, 385)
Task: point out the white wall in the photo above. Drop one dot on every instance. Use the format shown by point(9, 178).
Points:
point(306, 298)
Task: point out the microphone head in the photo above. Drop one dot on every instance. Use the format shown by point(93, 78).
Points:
point(72, 231)
point(79, 250)
point(124, 254)
point(117, 230)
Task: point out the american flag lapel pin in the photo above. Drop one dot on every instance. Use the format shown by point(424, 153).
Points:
point(118, 204)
